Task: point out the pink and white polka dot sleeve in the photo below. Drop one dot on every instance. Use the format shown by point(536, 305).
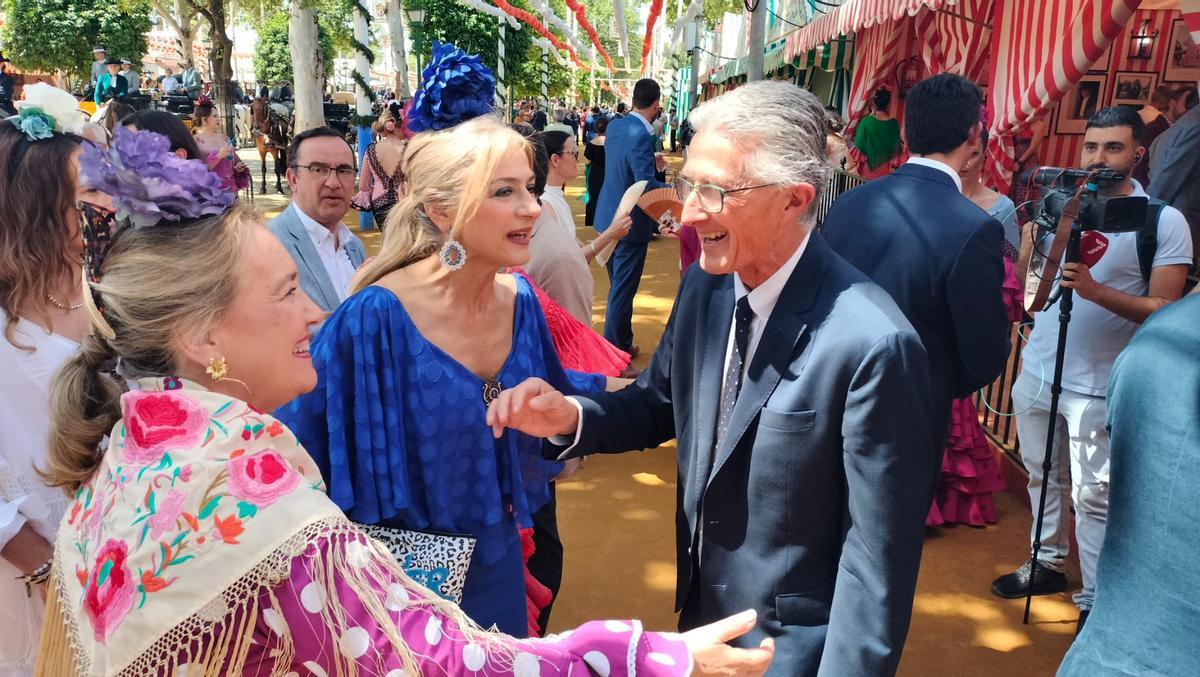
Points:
point(606, 648)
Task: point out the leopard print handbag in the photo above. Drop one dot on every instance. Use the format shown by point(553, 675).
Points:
point(437, 560)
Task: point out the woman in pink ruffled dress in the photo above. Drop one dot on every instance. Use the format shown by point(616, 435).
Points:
point(218, 152)
point(970, 467)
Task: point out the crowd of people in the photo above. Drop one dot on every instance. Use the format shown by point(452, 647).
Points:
point(231, 445)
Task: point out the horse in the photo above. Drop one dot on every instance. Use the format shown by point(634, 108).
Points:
point(272, 134)
point(243, 125)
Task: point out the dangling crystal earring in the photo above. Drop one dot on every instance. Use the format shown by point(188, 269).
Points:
point(217, 369)
point(453, 256)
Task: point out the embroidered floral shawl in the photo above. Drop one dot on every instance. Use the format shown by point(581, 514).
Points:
point(197, 510)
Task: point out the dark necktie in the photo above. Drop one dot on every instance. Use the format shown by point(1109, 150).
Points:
point(733, 375)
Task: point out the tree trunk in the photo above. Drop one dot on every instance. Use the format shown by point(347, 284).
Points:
point(185, 27)
point(308, 67)
point(395, 20)
point(222, 60)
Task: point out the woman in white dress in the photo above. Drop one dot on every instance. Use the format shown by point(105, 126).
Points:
point(42, 320)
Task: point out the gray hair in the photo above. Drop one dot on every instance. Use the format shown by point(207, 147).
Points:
point(782, 126)
point(560, 114)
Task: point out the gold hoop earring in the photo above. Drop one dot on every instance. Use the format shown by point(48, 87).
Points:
point(217, 369)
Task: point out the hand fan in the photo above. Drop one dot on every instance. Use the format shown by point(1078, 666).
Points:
point(626, 205)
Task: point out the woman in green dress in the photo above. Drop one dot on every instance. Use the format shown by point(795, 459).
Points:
point(877, 139)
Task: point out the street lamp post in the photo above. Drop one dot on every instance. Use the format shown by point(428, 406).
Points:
point(416, 17)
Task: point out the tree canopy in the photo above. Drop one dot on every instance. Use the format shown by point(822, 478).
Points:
point(272, 58)
point(50, 35)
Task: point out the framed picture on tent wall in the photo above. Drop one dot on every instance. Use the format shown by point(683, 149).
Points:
point(1183, 56)
point(1085, 98)
point(1133, 89)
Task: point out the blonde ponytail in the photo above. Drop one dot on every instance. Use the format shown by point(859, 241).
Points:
point(451, 169)
point(85, 403)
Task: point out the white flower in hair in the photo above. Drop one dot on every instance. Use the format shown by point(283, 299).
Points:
point(55, 103)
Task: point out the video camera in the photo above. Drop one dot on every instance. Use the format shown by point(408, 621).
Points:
point(1115, 214)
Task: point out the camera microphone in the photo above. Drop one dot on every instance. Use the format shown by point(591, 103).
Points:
point(1092, 246)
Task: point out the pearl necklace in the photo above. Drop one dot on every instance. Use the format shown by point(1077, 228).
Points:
point(63, 306)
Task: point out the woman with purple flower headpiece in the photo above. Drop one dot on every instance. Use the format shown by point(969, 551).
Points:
point(42, 321)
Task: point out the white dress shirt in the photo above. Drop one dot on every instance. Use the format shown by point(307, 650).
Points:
point(332, 251)
point(649, 127)
point(940, 166)
point(763, 299)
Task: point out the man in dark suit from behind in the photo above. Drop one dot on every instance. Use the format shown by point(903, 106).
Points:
point(939, 255)
point(628, 158)
point(798, 394)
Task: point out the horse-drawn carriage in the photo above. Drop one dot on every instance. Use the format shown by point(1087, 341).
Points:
point(271, 126)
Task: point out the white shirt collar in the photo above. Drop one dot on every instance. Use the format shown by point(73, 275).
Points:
point(319, 233)
point(941, 166)
point(764, 297)
point(645, 122)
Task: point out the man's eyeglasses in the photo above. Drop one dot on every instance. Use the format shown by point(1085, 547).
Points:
point(344, 172)
point(710, 197)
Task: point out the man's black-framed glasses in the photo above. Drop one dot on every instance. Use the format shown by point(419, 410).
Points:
point(710, 197)
point(344, 172)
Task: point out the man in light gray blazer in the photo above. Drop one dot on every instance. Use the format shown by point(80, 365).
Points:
point(321, 175)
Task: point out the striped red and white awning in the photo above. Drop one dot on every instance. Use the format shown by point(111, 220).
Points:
point(854, 15)
point(1039, 51)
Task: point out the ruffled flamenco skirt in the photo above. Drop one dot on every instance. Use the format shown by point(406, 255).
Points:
point(578, 346)
point(970, 473)
point(970, 467)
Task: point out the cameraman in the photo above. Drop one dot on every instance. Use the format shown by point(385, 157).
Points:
point(1111, 299)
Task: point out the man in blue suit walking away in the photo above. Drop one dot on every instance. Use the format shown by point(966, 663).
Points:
point(629, 158)
point(933, 250)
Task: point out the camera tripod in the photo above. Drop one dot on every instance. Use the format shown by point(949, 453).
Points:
point(1066, 302)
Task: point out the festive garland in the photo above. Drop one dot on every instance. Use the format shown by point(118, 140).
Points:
point(536, 25)
point(684, 19)
point(581, 16)
point(622, 33)
point(656, 7)
point(543, 43)
point(491, 10)
point(554, 21)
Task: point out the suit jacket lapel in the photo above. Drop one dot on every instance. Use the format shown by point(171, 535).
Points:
point(710, 371)
point(311, 258)
point(781, 338)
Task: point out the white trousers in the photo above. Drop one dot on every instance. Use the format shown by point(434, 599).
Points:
point(1080, 445)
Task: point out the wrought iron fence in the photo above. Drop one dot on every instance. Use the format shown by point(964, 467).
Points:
point(839, 183)
point(994, 402)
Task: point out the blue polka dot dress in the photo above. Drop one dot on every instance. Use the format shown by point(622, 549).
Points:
point(398, 429)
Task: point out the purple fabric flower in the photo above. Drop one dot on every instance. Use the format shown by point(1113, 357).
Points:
point(149, 184)
point(455, 87)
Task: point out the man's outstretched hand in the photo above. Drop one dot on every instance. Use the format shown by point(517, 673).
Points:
point(714, 657)
point(535, 408)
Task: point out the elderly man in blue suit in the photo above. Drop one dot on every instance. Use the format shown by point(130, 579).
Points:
point(629, 158)
point(933, 250)
point(798, 394)
point(321, 175)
